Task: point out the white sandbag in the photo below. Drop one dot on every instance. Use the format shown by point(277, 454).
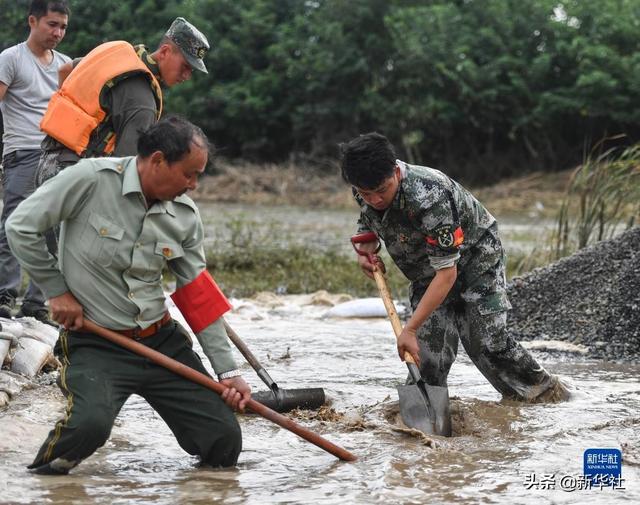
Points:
point(362, 307)
point(12, 383)
point(30, 356)
point(11, 326)
point(38, 330)
point(5, 343)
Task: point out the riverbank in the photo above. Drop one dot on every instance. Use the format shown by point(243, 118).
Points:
point(286, 229)
point(537, 193)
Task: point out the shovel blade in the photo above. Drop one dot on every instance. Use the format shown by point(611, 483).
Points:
point(414, 409)
point(426, 409)
point(286, 400)
point(439, 399)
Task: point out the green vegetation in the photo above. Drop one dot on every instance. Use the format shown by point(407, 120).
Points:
point(603, 198)
point(247, 256)
point(294, 270)
point(245, 259)
point(521, 263)
point(480, 88)
point(298, 270)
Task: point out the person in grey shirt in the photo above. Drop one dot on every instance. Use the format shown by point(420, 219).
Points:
point(28, 78)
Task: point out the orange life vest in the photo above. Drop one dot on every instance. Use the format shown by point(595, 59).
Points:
point(75, 111)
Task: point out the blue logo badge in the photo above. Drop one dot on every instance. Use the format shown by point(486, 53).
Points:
point(603, 467)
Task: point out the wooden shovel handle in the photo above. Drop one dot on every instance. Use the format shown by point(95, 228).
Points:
point(206, 381)
point(242, 347)
point(391, 308)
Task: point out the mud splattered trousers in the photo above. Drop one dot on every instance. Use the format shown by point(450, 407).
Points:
point(509, 367)
point(97, 378)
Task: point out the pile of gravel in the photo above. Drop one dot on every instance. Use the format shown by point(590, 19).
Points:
point(591, 298)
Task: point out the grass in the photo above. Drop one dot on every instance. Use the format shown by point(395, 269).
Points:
point(603, 197)
point(245, 259)
point(294, 270)
point(298, 270)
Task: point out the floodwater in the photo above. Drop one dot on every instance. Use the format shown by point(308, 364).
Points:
point(501, 452)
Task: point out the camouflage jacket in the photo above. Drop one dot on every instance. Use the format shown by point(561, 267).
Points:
point(434, 223)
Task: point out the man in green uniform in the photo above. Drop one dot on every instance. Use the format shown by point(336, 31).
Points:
point(447, 244)
point(123, 220)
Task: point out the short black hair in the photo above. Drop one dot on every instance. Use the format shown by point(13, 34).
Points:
point(40, 8)
point(367, 160)
point(167, 40)
point(173, 137)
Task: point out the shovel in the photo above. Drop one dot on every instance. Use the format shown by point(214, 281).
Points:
point(423, 407)
point(280, 400)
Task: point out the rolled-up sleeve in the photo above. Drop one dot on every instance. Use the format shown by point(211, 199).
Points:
point(440, 225)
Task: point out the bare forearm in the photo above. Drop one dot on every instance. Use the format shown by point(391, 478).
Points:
point(434, 296)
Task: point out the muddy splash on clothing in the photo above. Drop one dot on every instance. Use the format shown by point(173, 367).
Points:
point(501, 452)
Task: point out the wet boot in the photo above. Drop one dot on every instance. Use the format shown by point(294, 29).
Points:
point(557, 392)
point(48, 469)
point(37, 311)
point(7, 304)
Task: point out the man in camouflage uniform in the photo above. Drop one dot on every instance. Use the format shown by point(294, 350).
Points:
point(131, 103)
point(447, 244)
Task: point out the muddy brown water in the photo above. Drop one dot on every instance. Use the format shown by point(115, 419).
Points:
point(498, 451)
point(498, 448)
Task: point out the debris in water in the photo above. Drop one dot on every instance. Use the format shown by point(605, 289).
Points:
point(323, 414)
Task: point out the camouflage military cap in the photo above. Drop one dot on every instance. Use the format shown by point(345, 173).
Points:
point(192, 43)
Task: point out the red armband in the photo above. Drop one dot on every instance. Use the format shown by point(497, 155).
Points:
point(201, 302)
point(445, 237)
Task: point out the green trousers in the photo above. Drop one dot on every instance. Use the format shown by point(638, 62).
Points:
point(98, 376)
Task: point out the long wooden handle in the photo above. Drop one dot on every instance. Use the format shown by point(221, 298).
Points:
point(391, 308)
point(253, 361)
point(242, 347)
point(208, 382)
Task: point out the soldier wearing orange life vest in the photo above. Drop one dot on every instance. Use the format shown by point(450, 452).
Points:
point(112, 94)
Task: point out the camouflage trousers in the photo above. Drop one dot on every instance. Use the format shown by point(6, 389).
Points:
point(48, 166)
point(502, 360)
